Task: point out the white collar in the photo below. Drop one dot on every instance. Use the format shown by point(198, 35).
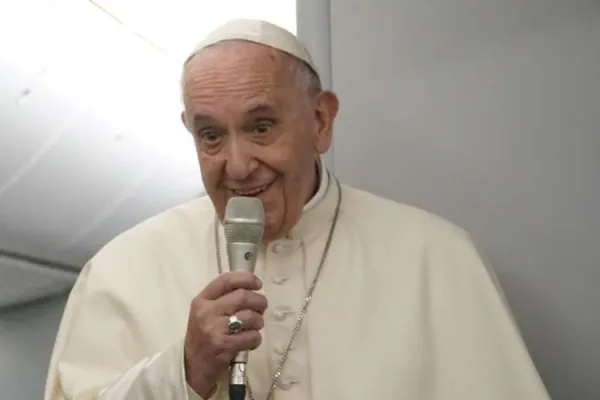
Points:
point(323, 185)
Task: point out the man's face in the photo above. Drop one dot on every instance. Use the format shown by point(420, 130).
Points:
point(256, 131)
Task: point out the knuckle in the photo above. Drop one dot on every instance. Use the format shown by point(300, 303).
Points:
point(264, 303)
point(242, 297)
point(260, 322)
point(197, 303)
point(199, 312)
point(250, 319)
point(244, 315)
point(225, 282)
point(219, 342)
point(205, 330)
point(254, 340)
point(259, 303)
point(199, 307)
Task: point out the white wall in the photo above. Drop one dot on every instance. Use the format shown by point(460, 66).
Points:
point(26, 340)
point(488, 113)
point(313, 29)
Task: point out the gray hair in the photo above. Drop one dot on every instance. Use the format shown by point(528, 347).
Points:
point(304, 76)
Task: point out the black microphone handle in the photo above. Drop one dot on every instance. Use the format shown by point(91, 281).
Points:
point(237, 377)
point(237, 392)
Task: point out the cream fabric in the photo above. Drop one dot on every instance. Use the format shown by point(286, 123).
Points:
point(404, 309)
point(323, 185)
point(261, 32)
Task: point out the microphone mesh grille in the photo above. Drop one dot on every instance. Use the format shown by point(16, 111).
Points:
point(244, 220)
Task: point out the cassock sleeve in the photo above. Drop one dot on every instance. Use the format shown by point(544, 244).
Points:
point(479, 352)
point(100, 350)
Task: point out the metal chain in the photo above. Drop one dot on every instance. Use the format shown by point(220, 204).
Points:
point(307, 300)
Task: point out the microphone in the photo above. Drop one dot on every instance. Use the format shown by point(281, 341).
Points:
point(244, 225)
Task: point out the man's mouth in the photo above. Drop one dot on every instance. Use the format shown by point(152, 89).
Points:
point(251, 192)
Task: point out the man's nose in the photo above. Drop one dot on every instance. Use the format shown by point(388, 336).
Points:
point(240, 162)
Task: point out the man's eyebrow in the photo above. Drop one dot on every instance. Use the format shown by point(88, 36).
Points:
point(261, 109)
point(202, 119)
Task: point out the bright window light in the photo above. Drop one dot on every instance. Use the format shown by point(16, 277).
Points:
point(124, 57)
point(175, 26)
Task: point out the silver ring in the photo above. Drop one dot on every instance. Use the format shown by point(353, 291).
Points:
point(235, 325)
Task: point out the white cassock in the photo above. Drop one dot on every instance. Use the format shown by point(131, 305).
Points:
point(404, 309)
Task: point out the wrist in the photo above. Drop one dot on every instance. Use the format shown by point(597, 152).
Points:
point(198, 395)
point(200, 386)
point(198, 381)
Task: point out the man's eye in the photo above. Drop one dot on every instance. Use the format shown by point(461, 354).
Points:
point(209, 136)
point(262, 127)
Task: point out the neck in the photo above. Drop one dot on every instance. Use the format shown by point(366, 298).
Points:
point(316, 182)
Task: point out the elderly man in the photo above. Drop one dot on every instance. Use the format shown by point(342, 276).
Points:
point(354, 296)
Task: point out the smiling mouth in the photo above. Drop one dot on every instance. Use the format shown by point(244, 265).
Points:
point(251, 192)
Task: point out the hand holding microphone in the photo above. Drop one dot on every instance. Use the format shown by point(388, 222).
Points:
point(212, 344)
point(209, 347)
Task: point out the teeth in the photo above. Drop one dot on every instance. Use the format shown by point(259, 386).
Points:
point(251, 192)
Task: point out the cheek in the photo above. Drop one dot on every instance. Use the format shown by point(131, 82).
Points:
point(211, 172)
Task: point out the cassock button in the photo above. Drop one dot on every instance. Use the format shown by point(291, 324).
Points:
point(278, 280)
point(278, 248)
point(285, 247)
point(285, 384)
point(279, 315)
point(280, 350)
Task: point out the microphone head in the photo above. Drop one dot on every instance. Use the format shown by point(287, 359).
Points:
point(244, 220)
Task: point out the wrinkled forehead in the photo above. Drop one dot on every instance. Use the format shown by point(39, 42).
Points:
point(234, 79)
point(232, 64)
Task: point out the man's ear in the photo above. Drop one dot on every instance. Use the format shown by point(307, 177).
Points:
point(184, 121)
point(327, 106)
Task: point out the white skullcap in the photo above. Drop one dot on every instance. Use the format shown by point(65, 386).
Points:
point(261, 32)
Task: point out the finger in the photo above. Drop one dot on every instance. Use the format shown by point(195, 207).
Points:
point(240, 299)
point(245, 340)
point(251, 321)
point(228, 282)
